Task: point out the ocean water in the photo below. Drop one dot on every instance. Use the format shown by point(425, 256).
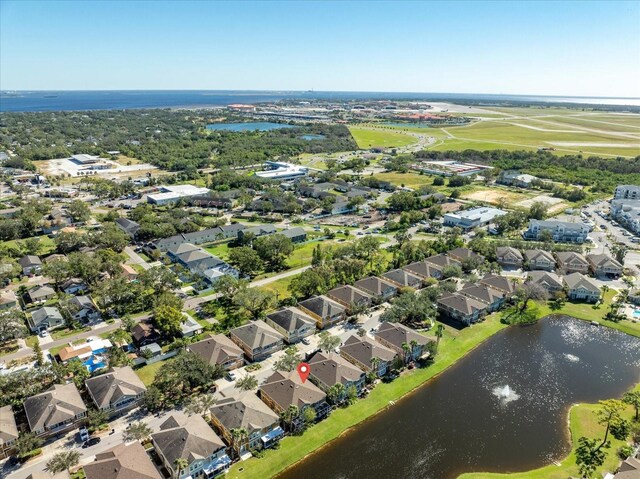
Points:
point(22, 101)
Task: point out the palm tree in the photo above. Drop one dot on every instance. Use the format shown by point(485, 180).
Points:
point(336, 393)
point(414, 345)
point(238, 435)
point(120, 337)
point(136, 431)
point(181, 464)
point(63, 461)
point(289, 415)
point(375, 364)
point(247, 383)
point(439, 334)
point(406, 349)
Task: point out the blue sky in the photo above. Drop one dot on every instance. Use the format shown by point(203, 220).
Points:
point(551, 48)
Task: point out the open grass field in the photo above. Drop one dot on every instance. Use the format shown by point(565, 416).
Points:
point(569, 131)
point(382, 138)
point(454, 345)
point(45, 245)
point(409, 179)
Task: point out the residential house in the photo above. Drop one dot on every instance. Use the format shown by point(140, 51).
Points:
point(257, 231)
point(559, 231)
point(8, 300)
point(424, 270)
point(189, 326)
point(634, 297)
point(329, 369)
point(397, 337)
point(441, 261)
point(45, 318)
point(218, 350)
point(297, 235)
point(41, 294)
point(380, 289)
point(325, 311)
point(292, 323)
point(92, 353)
point(194, 259)
point(581, 288)
point(54, 410)
point(604, 266)
point(462, 308)
point(403, 279)
point(52, 258)
point(257, 340)
point(461, 254)
point(284, 389)
point(129, 272)
point(629, 469)
point(365, 353)
point(83, 309)
point(494, 298)
point(144, 333)
point(501, 283)
point(8, 430)
point(539, 259)
point(30, 264)
point(509, 258)
point(128, 226)
point(192, 439)
point(124, 461)
point(55, 221)
point(73, 286)
point(548, 280)
point(571, 262)
point(246, 412)
point(117, 390)
point(350, 297)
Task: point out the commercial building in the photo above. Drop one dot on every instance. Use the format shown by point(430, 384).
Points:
point(627, 192)
point(559, 231)
point(473, 217)
point(282, 171)
point(173, 193)
point(627, 213)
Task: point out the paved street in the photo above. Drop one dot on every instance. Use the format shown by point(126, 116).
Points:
point(136, 258)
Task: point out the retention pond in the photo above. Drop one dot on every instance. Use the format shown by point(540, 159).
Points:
point(503, 408)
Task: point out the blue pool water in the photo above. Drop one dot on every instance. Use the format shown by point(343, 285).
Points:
point(252, 126)
point(636, 313)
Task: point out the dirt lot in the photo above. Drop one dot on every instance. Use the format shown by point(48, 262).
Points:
point(493, 196)
point(554, 204)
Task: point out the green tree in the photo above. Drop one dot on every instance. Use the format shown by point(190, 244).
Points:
point(289, 361)
point(63, 461)
point(538, 210)
point(137, 431)
point(26, 443)
point(201, 404)
point(439, 333)
point(246, 260)
point(274, 250)
point(328, 342)
point(589, 456)
point(96, 418)
point(336, 393)
point(180, 465)
point(79, 211)
point(246, 383)
point(633, 398)
point(411, 308)
point(309, 416)
point(255, 301)
point(239, 436)
point(289, 415)
point(37, 354)
point(168, 320)
point(12, 325)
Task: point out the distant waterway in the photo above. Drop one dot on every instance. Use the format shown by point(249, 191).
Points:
point(132, 99)
point(251, 126)
point(502, 408)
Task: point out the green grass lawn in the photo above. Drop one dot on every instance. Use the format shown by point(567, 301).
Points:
point(409, 179)
point(380, 138)
point(45, 246)
point(587, 312)
point(582, 423)
point(454, 345)
point(280, 287)
point(148, 372)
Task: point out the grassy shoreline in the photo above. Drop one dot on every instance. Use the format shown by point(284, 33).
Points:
point(581, 422)
point(454, 346)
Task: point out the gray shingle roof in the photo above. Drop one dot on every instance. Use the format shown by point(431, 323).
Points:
point(332, 369)
point(322, 306)
point(257, 334)
point(56, 405)
point(291, 319)
point(287, 389)
point(246, 412)
point(216, 349)
point(110, 387)
point(122, 462)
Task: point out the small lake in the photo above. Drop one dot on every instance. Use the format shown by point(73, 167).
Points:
point(250, 126)
point(503, 408)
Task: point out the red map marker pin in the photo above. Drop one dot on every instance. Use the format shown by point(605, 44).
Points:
point(303, 370)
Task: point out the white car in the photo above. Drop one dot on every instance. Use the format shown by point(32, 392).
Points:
point(44, 333)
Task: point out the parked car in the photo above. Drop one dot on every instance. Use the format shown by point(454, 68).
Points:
point(305, 341)
point(84, 434)
point(91, 442)
point(230, 376)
